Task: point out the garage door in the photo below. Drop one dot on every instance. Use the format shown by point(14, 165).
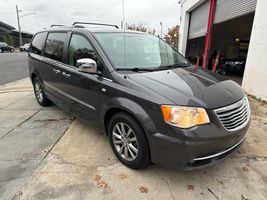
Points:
point(229, 9)
point(199, 20)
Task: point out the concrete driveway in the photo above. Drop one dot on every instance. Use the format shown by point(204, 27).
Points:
point(81, 165)
point(27, 133)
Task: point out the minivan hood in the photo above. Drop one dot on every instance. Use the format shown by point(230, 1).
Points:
point(187, 86)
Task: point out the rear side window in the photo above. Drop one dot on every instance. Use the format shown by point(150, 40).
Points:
point(37, 43)
point(80, 48)
point(55, 45)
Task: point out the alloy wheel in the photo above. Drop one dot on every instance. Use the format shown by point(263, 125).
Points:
point(125, 141)
point(38, 91)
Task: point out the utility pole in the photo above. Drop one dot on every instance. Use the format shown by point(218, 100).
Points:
point(123, 15)
point(20, 38)
point(161, 29)
point(180, 2)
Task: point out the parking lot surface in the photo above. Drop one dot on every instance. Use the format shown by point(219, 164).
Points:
point(79, 164)
point(13, 66)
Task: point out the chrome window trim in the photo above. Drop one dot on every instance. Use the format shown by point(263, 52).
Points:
point(70, 96)
point(245, 103)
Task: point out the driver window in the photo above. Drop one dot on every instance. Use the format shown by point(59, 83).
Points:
point(79, 48)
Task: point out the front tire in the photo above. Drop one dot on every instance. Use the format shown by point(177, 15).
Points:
point(128, 141)
point(39, 93)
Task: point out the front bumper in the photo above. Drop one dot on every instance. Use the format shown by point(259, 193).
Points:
point(194, 148)
point(212, 158)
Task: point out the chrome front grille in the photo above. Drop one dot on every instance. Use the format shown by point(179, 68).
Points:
point(235, 116)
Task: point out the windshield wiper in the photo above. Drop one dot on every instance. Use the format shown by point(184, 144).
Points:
point(172, 66)
point(136, 69)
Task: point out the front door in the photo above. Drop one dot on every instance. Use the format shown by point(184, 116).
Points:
point(80, 89)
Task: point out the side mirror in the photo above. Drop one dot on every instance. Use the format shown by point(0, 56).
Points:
point(86, 65)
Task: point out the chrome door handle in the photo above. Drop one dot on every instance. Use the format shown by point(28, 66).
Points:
point(56, 71)
point(65, 75)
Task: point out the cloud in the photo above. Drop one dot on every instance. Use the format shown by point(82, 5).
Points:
point(149, 12)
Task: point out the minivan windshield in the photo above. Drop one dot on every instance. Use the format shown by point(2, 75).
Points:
point(142, 51)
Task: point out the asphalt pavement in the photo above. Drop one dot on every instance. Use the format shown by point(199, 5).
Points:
point(13, 66)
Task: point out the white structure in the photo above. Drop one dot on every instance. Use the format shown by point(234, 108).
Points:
point(255, 77)
point(244, 21)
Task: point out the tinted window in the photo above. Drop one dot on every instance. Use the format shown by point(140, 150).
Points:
point(80, 48)
point(54, 45)
point(37, 43)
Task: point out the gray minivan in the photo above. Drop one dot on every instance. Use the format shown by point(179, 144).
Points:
point(153, 104)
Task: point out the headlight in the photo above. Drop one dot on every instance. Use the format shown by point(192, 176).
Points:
point(184, 117)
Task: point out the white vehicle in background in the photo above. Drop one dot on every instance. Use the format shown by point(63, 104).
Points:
point(25, 47)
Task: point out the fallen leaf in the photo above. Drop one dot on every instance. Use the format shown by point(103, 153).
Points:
point(122, 176)
point(102, 184)
point(243, 197)
point(96, 177)
point(190, 187)
point(143, 189)
point(245, 169)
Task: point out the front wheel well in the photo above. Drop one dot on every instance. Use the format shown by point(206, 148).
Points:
point(111, 112)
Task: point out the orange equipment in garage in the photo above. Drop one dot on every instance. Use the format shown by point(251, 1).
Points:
point(216, 63)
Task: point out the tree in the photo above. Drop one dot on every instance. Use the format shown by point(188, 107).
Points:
point(140, 27)
point(9, 39)
point(172, 37)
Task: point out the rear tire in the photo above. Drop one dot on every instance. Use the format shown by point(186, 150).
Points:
point(128, 141)
point(39, 93)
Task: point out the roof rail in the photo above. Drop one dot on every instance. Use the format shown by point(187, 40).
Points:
point(56, 25)
point(98, 24)
point(78, 26)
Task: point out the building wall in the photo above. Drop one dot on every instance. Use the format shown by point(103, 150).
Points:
point(186, 7)
point(255, 77)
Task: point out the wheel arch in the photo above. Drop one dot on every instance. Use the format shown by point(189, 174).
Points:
point(130, 107)
point(33, 76)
